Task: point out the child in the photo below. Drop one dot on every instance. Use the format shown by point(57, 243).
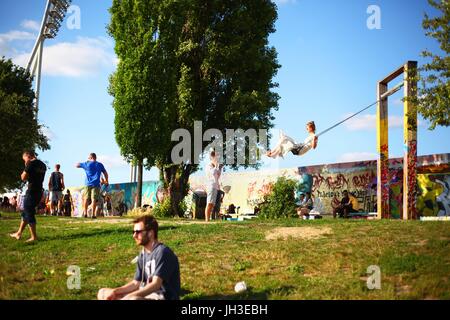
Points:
point(286, 144)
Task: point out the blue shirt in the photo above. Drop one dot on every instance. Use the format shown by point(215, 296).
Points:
point(161, 262)
point(93, 171)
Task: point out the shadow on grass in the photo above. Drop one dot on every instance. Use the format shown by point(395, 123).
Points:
point(249, 294)
point(96, 233)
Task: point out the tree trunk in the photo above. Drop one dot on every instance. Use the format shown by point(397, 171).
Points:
point(176, 178)
point(139, 185)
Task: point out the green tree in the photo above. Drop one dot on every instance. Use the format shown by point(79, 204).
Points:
point(433, 99)
point(19, 127)
point(203, 60)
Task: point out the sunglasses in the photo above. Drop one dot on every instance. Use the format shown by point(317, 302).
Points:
point(139, 231)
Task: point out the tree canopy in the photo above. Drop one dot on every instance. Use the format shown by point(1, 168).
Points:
point(20, 129)
point(187, 61)
point(433, 99)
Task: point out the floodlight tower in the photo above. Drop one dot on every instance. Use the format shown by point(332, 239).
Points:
point(54, 14)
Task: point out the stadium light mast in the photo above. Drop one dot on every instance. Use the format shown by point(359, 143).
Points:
point(54, 14)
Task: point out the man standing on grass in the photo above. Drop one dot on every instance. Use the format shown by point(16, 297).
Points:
point(56, 187)
point(34, 173)
point(93, 171)
point(157, 274)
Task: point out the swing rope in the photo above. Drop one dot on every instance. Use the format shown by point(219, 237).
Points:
point(382, 97)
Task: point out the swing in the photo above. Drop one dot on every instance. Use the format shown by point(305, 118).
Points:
point(287, 144)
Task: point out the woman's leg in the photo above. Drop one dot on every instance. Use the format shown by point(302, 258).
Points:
point(284, 145)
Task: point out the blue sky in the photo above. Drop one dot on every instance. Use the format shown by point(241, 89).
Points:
point(331, 62)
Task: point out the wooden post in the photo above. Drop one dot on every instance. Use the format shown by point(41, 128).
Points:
point(383, 154)
point(410, 143)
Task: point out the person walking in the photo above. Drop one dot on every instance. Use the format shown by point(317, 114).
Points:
point(94, 171)
point(34, 173)
point(56, 187)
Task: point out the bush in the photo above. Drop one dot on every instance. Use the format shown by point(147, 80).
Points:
point(136, 212)
point(280, 203)
point(163, 209)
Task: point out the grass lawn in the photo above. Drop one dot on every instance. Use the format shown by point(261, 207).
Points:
point(328, 261)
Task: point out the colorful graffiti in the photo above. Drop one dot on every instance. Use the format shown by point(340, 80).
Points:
point(410, 183)
point(434, 194)
point(326, 182)
point(123, 196)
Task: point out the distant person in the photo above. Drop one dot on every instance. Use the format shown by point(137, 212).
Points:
point(349, 204)
point(213, 173)
point(68, 204)
point(56, 187)
point(157, 274)
point(219, 201)
point(93, 170)
point(104, 188)
point(14, 204)
point(306, 205)
point(108, 206)
point(231, 209)
point(34, 173)
point(5, 205)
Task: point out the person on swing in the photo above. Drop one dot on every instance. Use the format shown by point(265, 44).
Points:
point(286, 144)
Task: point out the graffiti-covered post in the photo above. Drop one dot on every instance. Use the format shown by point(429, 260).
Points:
point(408, 70)
point(383, 153)
point(410, 143)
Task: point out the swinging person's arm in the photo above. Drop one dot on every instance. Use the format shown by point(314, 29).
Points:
point(314, 145)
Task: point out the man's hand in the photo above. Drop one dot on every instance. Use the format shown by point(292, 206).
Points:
point(78, 165)
point(24, 176)
point(111, 295)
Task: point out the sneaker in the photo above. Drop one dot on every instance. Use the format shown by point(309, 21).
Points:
point(94, 217)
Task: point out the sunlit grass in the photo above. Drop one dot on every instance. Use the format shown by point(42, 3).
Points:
point(413, 257)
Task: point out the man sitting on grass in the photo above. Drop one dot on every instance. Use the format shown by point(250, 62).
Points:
point(157, 274)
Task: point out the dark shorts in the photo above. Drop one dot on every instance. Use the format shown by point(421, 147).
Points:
point(30, 202)
point(297, 148)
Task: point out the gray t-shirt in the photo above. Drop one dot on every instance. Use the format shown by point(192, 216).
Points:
point(161, 262)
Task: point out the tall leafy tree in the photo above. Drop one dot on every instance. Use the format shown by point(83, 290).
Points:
point(433, 99)
point(20, 129)
point(198, 60)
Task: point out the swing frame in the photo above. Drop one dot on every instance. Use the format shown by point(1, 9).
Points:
point(409, 71)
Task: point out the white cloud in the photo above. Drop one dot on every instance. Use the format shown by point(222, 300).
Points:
point(369, 122)
point(30, 25)
point(84, 57)
point(357, 156)
point(6, 39)
point(112, 161)
point(16, 35)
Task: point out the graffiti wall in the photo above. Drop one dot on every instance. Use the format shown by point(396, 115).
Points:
point(327, 182)
point(245, 189)
point(122, 196)
point(434, 194)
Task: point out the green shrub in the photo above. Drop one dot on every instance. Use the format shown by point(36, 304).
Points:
point(280, 203)
point(135, 212)
point(163, 209)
